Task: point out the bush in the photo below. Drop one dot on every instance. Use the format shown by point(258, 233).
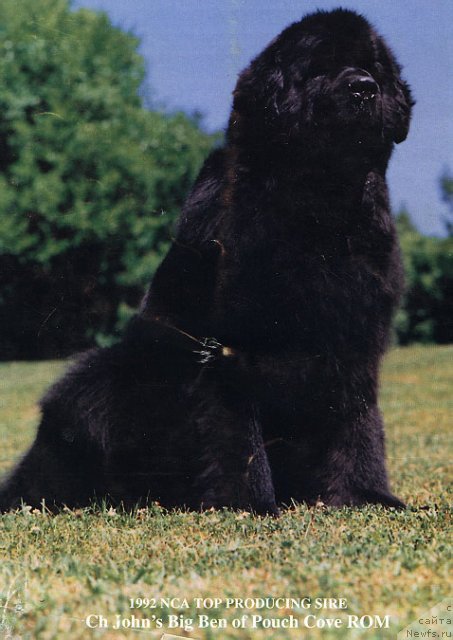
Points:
point(427, 312)
point(90, 181)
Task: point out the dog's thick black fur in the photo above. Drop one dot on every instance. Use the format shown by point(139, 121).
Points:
point(286, 255)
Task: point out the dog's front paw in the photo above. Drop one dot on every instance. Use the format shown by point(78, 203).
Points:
point(383, 498)
point(362, 497)
point(266, 509)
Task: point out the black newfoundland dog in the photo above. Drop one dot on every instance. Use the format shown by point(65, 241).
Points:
point(249, 377)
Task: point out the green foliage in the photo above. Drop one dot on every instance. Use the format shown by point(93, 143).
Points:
point(427, 312)
point(90, 181)
point(446, 185)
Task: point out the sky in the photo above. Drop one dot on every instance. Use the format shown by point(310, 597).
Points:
point(194, 50)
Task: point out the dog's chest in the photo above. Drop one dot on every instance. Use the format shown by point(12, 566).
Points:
point(329, 281)
point(325, 293)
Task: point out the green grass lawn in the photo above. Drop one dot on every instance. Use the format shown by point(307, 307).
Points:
point(57, 570)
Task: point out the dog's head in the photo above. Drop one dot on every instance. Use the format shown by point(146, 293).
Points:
point(329, 78)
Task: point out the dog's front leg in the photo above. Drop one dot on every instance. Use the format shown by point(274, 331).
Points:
point(234, 470)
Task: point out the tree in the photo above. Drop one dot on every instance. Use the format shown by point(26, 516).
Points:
point(90, 181)
point(427, 311)
point(446, 185)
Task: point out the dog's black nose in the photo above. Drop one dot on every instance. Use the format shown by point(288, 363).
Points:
point(363, 88)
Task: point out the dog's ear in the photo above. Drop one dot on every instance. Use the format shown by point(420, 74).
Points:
point(397, 98)
point(259, 90)
point(402, 108)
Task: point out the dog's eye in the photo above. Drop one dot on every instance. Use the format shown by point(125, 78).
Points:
point(320, 68)
point(317, 73)
point(379, 68)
